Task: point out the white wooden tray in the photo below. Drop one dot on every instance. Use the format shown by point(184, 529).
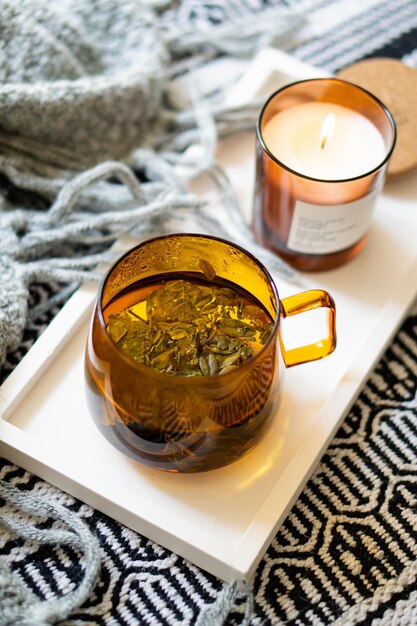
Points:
point(223, 520)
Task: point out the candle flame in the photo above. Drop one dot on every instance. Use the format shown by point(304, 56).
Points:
point(327, 129)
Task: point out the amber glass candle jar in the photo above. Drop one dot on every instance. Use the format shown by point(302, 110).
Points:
point(323, 147)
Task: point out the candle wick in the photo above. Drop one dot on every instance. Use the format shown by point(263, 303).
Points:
point(327, 129)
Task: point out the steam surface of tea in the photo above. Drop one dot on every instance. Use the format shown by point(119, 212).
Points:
point(188, 326)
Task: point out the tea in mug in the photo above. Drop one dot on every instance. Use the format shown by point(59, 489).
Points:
point(183, 326)
point(177, 329)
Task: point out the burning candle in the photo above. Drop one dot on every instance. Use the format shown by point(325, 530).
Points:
point(323, 148)
point(325, 141)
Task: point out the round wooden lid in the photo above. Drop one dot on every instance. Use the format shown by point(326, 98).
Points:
point(395, 84)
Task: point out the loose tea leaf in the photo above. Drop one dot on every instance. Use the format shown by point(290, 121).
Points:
point(190, 328)
point(207, 269)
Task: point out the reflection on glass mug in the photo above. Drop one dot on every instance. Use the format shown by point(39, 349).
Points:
point(184, 359)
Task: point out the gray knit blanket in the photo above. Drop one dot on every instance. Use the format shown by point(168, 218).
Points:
point(88, 109)
point(99, 125)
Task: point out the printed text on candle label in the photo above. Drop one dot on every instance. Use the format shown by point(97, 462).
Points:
point(318, 229)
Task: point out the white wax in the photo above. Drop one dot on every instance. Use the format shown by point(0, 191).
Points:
point(355, 147)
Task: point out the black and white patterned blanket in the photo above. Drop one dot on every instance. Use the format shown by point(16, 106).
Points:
point(347, 552)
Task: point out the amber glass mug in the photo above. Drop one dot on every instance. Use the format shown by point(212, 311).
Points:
point(193, 423)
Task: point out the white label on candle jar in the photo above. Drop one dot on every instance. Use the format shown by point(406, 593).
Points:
point(318, 229)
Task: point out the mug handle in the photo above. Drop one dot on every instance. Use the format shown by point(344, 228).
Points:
point(307, 301)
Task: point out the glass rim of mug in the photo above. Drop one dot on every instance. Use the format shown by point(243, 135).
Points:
point(190, 380)
point(334, 80)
